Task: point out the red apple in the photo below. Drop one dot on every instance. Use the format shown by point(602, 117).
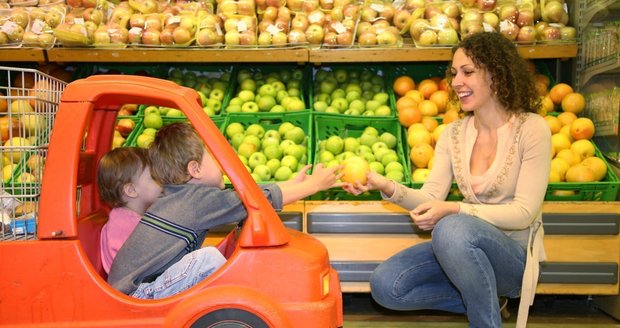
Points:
point(527, 34)
point(151, 36)
point(525, 17)
point(486, 5)
point(508, 12)
point(270, 13)
point(330, 39)
point(509, 29)
point(206, 37)
point(401, 17)
point(300, 22)
point(124, 126)
point(345, 38)
point(551, 32)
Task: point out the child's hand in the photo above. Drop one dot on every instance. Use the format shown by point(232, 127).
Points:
point(375, 182)
point(325, 177)
point(302, 174)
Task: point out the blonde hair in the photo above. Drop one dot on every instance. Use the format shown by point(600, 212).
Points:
point(117, 168)
point(174, 147)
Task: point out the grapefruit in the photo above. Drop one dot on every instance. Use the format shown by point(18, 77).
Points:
point(355, 169)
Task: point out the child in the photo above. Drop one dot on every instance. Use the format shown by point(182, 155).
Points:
point(162, 256)
point(125, 183)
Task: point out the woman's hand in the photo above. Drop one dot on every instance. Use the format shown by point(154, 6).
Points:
point(427, 214)
point(375, 181)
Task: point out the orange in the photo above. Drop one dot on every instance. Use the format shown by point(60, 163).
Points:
point(582, 128)
point(430, 123)
point(427, 87)
point(440, 98)
point(420, 154)
point(4, 106)
point(566, 130)
point(567, 118)
point(443, 84)
point(554, 123)
point(403, 102)
point(403, 84)
point(25, 80)
point(546, 105)
point(573, 102)
point(417, 136)
point(450, 115)
point(558, 92)
point(437, 132)
point(415, 95)
point(453, 105)
point(409, 115)
point(597, 165)
point(428, 108)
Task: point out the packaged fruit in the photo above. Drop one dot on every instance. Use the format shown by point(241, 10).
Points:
point(13, 24)
point(43, 20)
point(210, 32)
point(240, 31)
point(274, 26)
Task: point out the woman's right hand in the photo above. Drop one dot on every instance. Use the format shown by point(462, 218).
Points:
point(375, 181)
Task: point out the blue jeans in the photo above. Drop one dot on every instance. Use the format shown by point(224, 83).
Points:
point(466, 266)
point(190, 270)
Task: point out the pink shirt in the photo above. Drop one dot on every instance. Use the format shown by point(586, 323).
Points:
point(120, 225)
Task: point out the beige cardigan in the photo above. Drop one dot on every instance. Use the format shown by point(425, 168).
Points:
point(512, 198)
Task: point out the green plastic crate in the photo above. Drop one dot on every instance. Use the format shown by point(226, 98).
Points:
point(374, 70)
point(302, 119)
point(260, 72)
point(132, 139)
point(605, 190)
point(326, 125)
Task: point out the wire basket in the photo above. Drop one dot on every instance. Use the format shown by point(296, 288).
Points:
point(28, 103)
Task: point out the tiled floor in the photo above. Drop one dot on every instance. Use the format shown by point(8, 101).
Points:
point(548, 311)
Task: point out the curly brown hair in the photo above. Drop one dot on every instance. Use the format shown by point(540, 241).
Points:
point(174, 147)
point(512, 81)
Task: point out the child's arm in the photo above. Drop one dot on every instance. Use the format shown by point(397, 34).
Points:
point(303, 186)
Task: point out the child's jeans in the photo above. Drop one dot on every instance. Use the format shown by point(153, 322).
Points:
point(190, 270)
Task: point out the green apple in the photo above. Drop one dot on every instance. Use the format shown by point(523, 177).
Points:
point(351, 144)
point(341, 104)
point(369, 157)
point(256, 158)
point(283, 173)
point(144, 140)
point(217, 94)
point(372, 105)
point(353, 95)
point(173, 112)
point(298, 151)
point(278, 85)
point(383, 110)
point(358, 105)
point(296, 134)
point(272, 133)
point(371, 130)
point(151, 109)
point(289, 161)
point(389, 139)
point(361, 149)
point(294, 92)
point(281, 95)
point(266, 102)
point(270, 141)
point(267, 90)
point(277, 109)
point(150, 131)
point(341, 75)
point(273, 164)
point(395, 175)
point(263, 172)
point(295, 104)
point(235, 101)
point(394, 166)
point(247, 84)
point(323, 97)
point(250, 107)
point(255, 129)
point(352, 112)
point(377, 144)
point(209, 111)
point(338, 93)
point(153, 120)
point(285, 144)
point(327, 86)
point(252, 139)
point(332, 110)
point(246, 95)
point(381, 97)
point(236, 140)
point(203, 98)
point(273, 152)
point(246, 149)
point(368, 139)
point(284, 127)
point(234, 128)
point(325, 156)
point(233, 109)
point(389, 158)
point(319, 106)
point(334, 144)
point(377, 167)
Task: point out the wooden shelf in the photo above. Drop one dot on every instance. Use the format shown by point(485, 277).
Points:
point(22, 55)
point(299, 55)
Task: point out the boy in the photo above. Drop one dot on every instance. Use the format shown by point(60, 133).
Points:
point(125, 183)
point(163, 257)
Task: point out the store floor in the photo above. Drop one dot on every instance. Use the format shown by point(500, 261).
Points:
point(548, 311)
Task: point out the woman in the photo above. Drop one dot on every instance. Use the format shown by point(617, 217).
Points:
point(490, 244)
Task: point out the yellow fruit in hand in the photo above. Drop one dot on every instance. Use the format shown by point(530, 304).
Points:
point(355, 169)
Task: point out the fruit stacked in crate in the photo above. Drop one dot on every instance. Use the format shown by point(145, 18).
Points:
point(350, 90)
point(273, 146)
point(359, 144)
point(579, 171)
point(268, 88)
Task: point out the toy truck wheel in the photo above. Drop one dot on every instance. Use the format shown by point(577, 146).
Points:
point(229, 318)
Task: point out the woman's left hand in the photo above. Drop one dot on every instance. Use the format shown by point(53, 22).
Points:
point(427, 214)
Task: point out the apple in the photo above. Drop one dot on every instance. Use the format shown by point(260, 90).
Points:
point(553, 11)
point(427, 38)
point(551, 32)
point(568, 33)
point(387, 38)
point(491, 19)
point(486, 5)
point(232, 38)
point(296, 36)
point(401, 17)
point(527, 34)
point(345, 38)
point(417, 27)
point(508, 12)
point(447, 36)
point(525, 17)
point(125, 126)
point(367, 39)
point(314, 34)
point(280, 39)
point(509, 29)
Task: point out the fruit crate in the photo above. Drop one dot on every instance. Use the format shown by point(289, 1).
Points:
point(370, 79)
point(132, 140)
point(605, 190)
point(294, 77)
point(418, 71)
point(205, 78)
point(326, 125)
point(31, 100)
point(272, 121)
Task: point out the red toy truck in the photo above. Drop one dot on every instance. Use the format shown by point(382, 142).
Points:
point(274, 277)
